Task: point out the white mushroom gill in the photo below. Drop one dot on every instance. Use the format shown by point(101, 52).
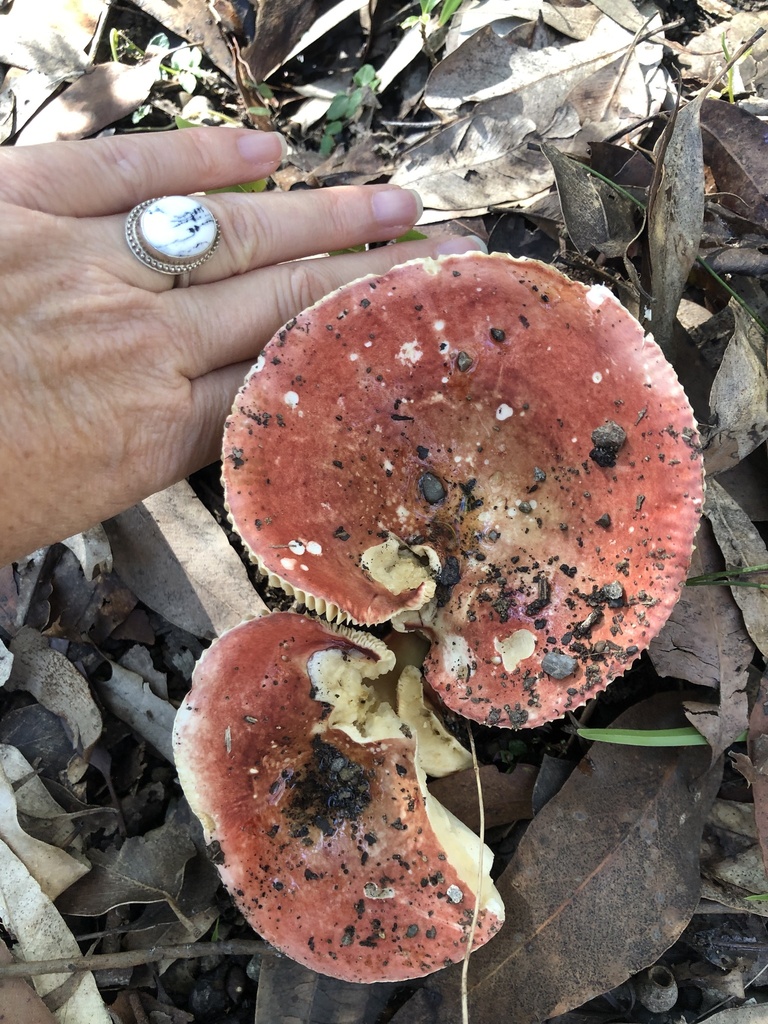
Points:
point(399, 568)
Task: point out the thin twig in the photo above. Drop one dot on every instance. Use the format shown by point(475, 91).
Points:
point(135, 958)
point(478, 893)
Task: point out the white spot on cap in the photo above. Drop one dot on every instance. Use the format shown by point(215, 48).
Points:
point(288, 563)
point(515, 648)
point(410, 353)
point(439, 325)
point(504, 411)
point(597, 377)
point(291, 398)
point(258, 366)
point(388, 467)
point(597, 294)
point(456, 656)
point(353, 357)
point(454, 894)
point(313, 548)
point(296, 547)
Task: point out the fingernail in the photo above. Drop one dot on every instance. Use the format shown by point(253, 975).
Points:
point(262, 147)
point(396, 207)
point(461, 243)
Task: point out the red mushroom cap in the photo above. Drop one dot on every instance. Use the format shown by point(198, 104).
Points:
point(486, 451)
point(311, 788)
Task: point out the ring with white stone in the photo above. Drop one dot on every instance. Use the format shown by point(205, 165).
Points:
point(173, 235)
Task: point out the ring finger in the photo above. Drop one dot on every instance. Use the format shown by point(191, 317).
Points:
point(269, 228)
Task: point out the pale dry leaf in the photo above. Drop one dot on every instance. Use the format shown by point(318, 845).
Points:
point(742, 546)
point(138, 659)
point(56, 684)
point(488, 66)
point(176, 558)
point(6, 663)
point(675, 218)
point(731, 854)
point(739, 397)
point(52, 868)
point(41, 934)
point(477, 162)
point(575, 22)
point(52, 41)
point(97, 99)
point(752, 1014)
point(130, 698)
point(91, 549)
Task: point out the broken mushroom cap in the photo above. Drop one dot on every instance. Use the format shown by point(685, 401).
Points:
point(312, 792)
point(485, 451)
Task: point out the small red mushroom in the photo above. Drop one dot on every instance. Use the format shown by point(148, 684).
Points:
point(312, 792)
point(482, 450)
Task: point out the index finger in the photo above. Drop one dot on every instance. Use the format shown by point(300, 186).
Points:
point(111, 175)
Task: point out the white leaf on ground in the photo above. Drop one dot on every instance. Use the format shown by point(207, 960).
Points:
point(176, 558)
point(742, 546)
point(6, 663)
point(57, 685)
point(92, 551)
point(129, 697)
point(42, 935)
point(138, 659)
point(52, 868)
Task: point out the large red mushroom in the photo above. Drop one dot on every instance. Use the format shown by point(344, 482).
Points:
point(313, 792)
point(482, 450)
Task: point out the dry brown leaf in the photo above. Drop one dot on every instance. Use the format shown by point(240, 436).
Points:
point(56, 684)
point(280, 24)
point(194, 21)
point(176, 558)
point(596, 215)
point(146, 869)
point(704, 640)
point(757, 745)
point(675, 218)
point(97, 99)
point(734, 150)
point(507, 796)
point(292, 994)
point(739, 397)
point(604, 880)
point(742, 546)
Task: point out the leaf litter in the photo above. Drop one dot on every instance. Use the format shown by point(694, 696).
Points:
point(582, 131)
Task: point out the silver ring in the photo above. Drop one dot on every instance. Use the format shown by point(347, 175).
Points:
point(173, 235)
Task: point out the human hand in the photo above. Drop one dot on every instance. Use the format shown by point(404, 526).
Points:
point(114, 384)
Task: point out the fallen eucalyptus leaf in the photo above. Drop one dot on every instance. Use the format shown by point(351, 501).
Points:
point(742, 546)
point(615, 852)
